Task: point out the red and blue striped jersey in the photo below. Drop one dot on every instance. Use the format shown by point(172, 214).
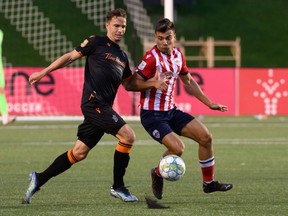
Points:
point(156, 63)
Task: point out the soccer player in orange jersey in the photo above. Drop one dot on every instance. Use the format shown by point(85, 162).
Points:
point(106, 68)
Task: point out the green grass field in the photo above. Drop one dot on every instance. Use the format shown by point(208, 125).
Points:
point(249, 153)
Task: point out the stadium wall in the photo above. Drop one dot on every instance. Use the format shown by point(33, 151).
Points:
point(246, 91)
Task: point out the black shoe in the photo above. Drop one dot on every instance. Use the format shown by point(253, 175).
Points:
point(157, 184)
point(216, 186)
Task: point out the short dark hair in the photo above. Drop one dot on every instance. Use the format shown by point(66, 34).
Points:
point(164, 25)
point(119, 12)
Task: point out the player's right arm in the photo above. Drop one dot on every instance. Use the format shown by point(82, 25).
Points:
point(61, 62)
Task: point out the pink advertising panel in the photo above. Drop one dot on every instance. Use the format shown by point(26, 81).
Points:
point(253, 91)
point(263, 91)
point(56, 94)
point(59, 93)
point(217, 83)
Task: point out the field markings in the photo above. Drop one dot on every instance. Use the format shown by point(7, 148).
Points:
point(38, 127)
point(228, 141)
point(149, 142)
point(209, 125)
point(260, 141)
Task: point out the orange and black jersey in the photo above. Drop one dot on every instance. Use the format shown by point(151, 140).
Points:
point(106, 66)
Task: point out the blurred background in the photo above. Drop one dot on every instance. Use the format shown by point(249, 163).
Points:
point(237, 52)
point(240, 37)
point(260, 24)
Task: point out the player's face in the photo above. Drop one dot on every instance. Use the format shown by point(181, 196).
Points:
point(165, 41)
point(116, 28)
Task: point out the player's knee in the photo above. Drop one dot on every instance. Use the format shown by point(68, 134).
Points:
point(206, 140)
point(178, 150)
point(126, 135)
point(80, 154)
point(129, 138)
point(75, 156)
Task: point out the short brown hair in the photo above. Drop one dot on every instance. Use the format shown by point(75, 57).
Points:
point(119, 12)
point(164, 25)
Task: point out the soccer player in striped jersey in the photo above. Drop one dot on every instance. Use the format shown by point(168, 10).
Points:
point(156, 78)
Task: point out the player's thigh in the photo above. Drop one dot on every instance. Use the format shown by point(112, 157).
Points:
point(89, 134)
point(101, 117)
point(196, 130)
point(156, 123)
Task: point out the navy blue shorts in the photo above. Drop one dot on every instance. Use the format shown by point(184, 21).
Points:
point(159, 123)
point(99, 118)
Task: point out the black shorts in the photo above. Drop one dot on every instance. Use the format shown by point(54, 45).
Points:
point(99, 118)
point(159, 123)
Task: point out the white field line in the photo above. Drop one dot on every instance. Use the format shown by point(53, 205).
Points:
point(209, 125)
point(228, 141)
point(66, 118)
point(149, 142)
point(255, 141)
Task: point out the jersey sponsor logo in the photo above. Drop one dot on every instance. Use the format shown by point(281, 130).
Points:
point(142, 65)
point(109, 56)
point(156, 134)
point(84, 43)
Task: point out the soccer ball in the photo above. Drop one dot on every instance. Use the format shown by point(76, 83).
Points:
point(172, 167)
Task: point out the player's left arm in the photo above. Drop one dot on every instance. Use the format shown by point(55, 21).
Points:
point(138, 83)
point(61, 62)
point(193, 88)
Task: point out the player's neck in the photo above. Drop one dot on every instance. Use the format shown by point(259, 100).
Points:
point(167, 52)
point(114, 40)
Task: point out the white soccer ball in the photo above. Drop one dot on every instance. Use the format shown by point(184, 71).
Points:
point(172, 167)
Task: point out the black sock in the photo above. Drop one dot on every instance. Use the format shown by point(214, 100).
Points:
point(121, 161)
point(60, 164)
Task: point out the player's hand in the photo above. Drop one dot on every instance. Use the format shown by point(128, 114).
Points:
point(165, 76)
point(161, 85)
point(35, 77)
point(161, 80)
point(219, 107)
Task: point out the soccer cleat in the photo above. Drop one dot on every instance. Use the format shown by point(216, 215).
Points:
point(216, 186)
point(123, 194)
point(32, 189)
point(157, 184)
